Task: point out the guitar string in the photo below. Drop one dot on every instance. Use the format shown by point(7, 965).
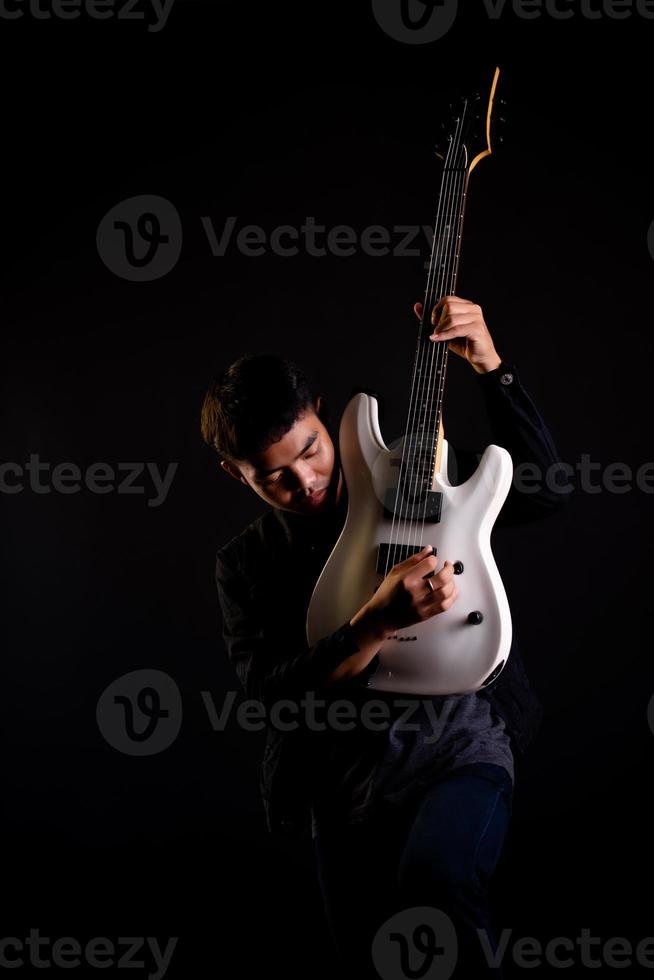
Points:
point(437, 249)
point(440, 357)
point(441, 243)
point(433, 361)
point(391, 557)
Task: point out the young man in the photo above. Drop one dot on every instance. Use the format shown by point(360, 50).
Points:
point(412, 812)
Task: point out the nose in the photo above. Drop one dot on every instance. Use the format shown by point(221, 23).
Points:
point(308, 489)
point(306, 480)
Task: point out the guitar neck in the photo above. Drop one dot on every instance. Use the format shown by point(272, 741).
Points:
point(467, 146)
point(425, 428)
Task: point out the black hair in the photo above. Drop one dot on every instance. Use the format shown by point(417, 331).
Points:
point(255, 402)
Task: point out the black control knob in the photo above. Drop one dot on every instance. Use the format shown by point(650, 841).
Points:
point(458, 567)
point(475, 617)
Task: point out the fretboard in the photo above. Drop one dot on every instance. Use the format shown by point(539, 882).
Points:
point(430, 362)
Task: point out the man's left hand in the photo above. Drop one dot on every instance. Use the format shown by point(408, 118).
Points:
point(462, 324)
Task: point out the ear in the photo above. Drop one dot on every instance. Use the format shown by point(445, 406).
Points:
point(318, 401)
point(233, 471)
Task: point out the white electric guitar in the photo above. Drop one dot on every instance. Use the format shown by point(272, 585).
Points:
point(401, 500)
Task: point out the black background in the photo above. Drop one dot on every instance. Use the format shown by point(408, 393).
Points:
point(272, 113)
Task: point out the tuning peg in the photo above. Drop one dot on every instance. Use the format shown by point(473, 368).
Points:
point(501, 119)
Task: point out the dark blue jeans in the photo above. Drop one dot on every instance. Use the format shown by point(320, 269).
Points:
point(439, 851)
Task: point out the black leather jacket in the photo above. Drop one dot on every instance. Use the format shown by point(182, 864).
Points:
point(265, 577)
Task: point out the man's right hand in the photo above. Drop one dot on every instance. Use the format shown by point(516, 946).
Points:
point(403, 597)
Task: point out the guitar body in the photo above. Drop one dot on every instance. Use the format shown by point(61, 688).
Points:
point(445, 654)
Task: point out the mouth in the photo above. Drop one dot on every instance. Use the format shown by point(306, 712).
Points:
point(315, 499)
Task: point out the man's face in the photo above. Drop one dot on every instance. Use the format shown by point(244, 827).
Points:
point(297, 473)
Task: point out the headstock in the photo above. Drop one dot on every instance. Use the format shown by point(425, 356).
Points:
point(467, 135)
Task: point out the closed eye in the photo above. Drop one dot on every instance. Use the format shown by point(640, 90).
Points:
point(275, 479)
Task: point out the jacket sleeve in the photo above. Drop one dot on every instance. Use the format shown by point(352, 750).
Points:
point(268, 674)
point(537, 489)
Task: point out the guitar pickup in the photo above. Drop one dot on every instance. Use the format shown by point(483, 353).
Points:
point(390, 554)
point(426, 506)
